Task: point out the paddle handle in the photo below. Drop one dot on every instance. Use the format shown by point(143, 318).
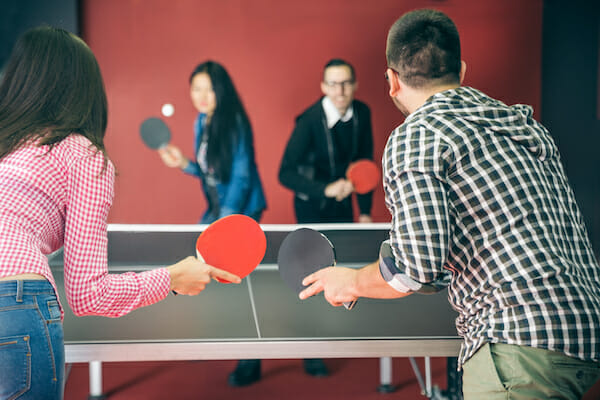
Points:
point(350, 304)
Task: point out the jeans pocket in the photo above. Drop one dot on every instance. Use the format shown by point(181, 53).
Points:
point(53, 310)
point(573, 373)
point(15, 366)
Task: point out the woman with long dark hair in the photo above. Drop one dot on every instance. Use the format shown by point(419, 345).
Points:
point(223, 147)
point(56, 188)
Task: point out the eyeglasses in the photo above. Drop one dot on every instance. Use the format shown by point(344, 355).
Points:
point(343, 85)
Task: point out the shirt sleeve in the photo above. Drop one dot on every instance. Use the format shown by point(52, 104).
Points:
point(416, 195)
point(296, 171)
point(397, 278)
point(192, 168)
point(90, 289)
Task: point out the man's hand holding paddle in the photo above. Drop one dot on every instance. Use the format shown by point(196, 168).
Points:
point(190, 276)
point(342, 285)
point(304, 258)
point(339, 189)
point(362, 177)
point(338, 284)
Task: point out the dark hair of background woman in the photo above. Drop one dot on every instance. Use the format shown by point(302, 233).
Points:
point(228, 121)
point(51, 87)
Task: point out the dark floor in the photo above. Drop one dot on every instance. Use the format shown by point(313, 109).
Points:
point(350, 379)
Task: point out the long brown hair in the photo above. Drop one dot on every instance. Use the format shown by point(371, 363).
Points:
point(229, 123)
point(50, 88)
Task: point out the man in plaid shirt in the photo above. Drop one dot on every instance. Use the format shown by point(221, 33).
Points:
point(480, 203)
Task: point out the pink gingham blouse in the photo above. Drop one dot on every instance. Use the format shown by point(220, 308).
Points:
point(61, 197)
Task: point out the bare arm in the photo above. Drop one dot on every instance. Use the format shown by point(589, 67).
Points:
point(342, 285)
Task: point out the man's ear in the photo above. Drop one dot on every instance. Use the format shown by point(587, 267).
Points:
point(463, 70)
point(394, 81)
point(323, 88)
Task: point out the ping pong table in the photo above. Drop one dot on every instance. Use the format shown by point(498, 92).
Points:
point(259, 318)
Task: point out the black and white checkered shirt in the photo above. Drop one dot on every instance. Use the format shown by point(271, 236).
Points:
point(480, 202)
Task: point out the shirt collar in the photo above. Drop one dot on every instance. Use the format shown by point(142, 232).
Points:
point(333, 115)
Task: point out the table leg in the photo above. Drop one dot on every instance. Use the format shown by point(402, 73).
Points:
point(385, 375)
point(428, 376)
point(95, 368)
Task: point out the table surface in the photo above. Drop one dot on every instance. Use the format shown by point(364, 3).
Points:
point(221, 322)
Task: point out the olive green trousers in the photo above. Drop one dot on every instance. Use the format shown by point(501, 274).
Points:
point(504, 371)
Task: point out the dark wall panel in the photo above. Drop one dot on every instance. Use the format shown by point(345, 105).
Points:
point(16, 16)
point(570, 95)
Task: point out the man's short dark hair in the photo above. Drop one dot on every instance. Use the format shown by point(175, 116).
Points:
point(423, 46)
point(338, 62)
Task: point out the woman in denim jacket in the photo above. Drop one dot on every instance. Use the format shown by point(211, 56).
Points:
point(224, 163)
point(223, 146)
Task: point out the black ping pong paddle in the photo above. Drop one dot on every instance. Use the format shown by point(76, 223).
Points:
point(155, 133)
point(303, 252)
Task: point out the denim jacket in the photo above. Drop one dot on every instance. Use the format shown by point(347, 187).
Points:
point(243, 194)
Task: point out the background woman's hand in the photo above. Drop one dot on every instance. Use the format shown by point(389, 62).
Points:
point(173, 157)
point(190, 276)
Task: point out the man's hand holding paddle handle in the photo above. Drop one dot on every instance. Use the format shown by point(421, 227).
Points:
point(339, 189)
point(301, 254)
point(338, 285)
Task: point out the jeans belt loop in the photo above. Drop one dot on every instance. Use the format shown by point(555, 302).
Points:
point(19, 291)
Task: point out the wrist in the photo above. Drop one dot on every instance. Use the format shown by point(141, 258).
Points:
point(174, 276)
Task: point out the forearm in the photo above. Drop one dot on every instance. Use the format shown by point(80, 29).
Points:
point(297, 169)
point(192, 168)
point(114, 295)
point(370, 283)
point(291, 178)
point(365, 202)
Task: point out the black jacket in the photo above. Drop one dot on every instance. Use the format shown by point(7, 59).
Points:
point(308, 163)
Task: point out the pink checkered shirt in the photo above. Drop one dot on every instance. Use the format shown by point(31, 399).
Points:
point(62, 197)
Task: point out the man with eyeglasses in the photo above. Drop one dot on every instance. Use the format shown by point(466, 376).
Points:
point(481, 204)
point(328, 136)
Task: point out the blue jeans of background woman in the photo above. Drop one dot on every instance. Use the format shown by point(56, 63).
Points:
point(32, 356)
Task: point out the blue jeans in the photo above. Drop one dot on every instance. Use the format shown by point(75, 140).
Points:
point(32, 351)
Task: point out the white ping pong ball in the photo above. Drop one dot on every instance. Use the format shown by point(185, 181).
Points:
point(167, 110)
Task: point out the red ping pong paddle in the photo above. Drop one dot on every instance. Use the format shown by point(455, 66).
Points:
point(303, 252)
point(235, 243)
point(155, 133)
point(364, 175)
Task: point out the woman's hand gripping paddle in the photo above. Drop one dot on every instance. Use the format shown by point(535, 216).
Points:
point(235, 243)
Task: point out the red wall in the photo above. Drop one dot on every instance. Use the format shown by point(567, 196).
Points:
point(275, 51)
